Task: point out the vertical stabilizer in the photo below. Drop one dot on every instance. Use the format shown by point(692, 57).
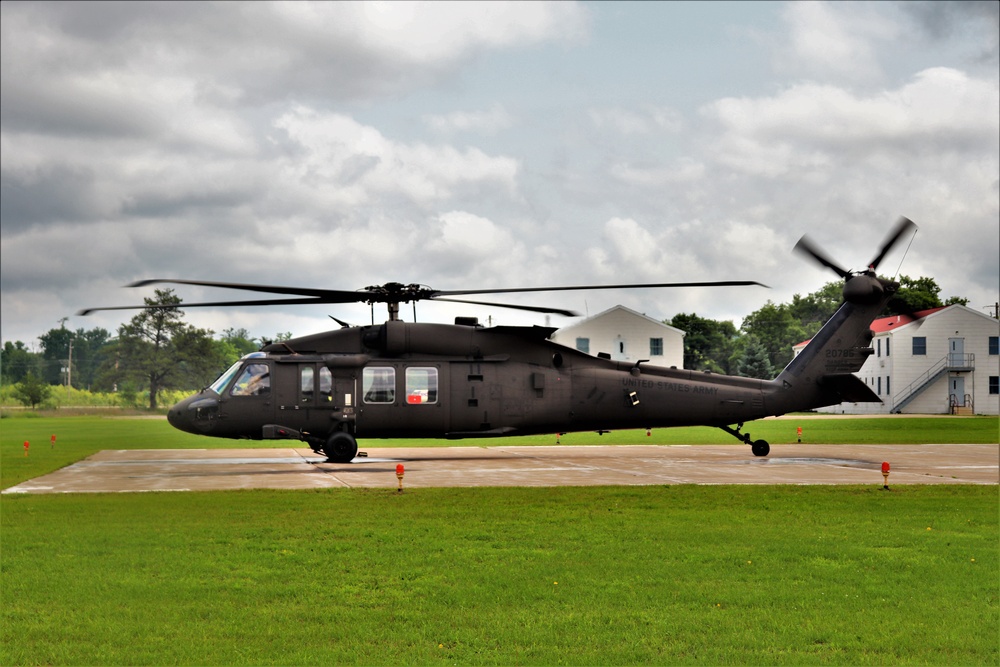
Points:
point(823, 373)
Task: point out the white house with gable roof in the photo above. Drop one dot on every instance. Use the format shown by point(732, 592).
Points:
point(938, 361)
point(625, 335)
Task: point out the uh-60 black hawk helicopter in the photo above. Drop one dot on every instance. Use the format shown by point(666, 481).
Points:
point(462, 380)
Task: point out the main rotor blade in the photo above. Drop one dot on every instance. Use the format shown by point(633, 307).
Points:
point(391, 293)
point(533, 309)
point(808, 247)
point(903, 226)
point(717, 283)
point(342, 296)
point(208, 304)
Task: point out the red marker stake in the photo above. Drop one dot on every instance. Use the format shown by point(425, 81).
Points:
point(26, 445)
point(53, 441)
point(399, 476)
point(885, 475)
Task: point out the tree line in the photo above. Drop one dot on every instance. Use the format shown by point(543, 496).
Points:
point(762, 345)
point(157, 350)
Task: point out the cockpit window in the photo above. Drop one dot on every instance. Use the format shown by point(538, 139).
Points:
point(255, 380)
point(223, 380)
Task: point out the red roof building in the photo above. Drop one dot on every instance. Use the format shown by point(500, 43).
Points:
point(935, 361)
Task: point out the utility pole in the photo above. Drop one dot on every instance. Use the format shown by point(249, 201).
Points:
point(69, 368)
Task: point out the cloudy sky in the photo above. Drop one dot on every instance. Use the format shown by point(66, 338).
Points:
point(479, 145)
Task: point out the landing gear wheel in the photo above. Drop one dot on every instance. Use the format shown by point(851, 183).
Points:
point(340, 447)
point(760, 448)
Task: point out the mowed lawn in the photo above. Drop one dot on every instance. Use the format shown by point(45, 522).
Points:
point(605, 575)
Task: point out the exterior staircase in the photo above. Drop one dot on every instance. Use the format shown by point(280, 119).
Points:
point(951, 363)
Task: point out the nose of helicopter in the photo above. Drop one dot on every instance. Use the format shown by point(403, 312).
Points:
point(195, 414)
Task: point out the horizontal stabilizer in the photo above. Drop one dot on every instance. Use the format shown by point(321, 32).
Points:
point(849, 388)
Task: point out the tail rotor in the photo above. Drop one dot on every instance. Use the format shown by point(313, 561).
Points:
point(808, 247)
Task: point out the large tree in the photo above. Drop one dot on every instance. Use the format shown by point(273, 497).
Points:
point(157, 347)
point(814, 309)
point(88, 348)
point(16, 361)
point(754, 362)
point(708, 344)
point(234, 343)
point(918, 294)
point(778, 329)
point(55, 350)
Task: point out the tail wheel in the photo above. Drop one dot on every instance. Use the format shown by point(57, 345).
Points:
point(760, 448)
point(340, 447)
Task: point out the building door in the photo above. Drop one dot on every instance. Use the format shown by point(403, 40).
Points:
point(957, 391)
point(620, 353)
point(956, 352)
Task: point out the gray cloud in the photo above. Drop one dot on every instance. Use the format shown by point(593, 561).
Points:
point(289, 144)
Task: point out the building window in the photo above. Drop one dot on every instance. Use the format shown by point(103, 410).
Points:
point(887, 347)
point(879, 385)
point(920, 345)
point(878, 347)
point(994, 384)
point(994, 344)
point(583, 344)
point(656, 347)
point(887, 391)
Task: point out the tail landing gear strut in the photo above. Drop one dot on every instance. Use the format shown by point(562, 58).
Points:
point(758, 447)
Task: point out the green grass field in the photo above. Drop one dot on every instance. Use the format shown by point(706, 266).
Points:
point(605, 575)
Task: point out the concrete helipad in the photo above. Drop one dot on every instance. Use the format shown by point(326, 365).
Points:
point(219, 469)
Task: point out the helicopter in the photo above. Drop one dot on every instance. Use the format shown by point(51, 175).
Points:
point(425, 380)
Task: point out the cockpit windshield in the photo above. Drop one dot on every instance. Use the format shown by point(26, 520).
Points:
point(220, 384)
point(223, 380)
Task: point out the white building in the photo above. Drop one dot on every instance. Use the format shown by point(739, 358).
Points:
point(939, 361)
point(625, 335)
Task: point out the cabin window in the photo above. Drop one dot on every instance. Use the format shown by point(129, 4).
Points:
point(920, 345)
point(656, 347)
point(878, 348)
point(325, 384)
point(994, 345)
point(307, 382)
point(255, 380)
point(583, 344)
point(887, 347)
point(994, 385)
point(421, 386)
point(378, 384)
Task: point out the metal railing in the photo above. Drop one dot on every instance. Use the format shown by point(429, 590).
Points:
point(954, 407)
point(950, 362)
